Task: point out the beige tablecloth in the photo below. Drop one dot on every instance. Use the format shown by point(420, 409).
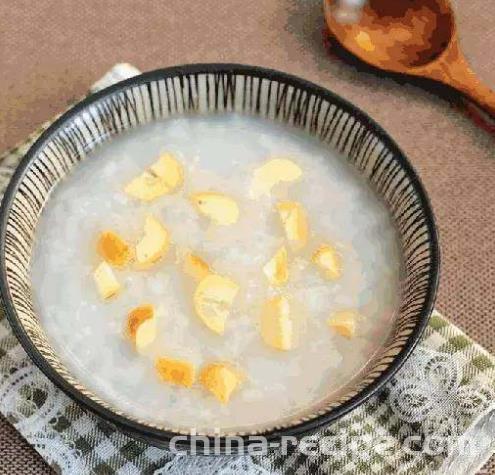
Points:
point(51, 51)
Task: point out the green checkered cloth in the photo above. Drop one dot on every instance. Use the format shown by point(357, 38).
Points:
point(436, 416)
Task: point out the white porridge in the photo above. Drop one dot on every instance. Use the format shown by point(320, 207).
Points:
point(290, 333)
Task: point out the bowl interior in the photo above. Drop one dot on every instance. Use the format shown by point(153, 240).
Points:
point(208, 89)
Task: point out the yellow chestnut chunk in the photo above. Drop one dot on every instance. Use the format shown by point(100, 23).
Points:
point(153, 245)
point(220, 208)
point(106, 282)
point(146, 187)
point(170, 170)
point(163, 177)
point(141, 326)
point(271, 173)
point(213, 299)
point(295, 222)
point(276, 268)
point(113, 249)
point(277, 329)
point(195, 267)
point(220, 379)
point(328, 261)
point(344, 323)
point(178, 372)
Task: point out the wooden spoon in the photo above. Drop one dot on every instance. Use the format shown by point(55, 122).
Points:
point(415, 37)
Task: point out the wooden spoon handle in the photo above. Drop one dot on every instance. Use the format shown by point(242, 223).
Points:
point(454, 70)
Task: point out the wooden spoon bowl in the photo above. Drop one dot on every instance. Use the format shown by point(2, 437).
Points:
point(414, 37)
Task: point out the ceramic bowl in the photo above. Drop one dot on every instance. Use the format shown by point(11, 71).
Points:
point(212, 89)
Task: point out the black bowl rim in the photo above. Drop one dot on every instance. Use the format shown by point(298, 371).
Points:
point(160, 436)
